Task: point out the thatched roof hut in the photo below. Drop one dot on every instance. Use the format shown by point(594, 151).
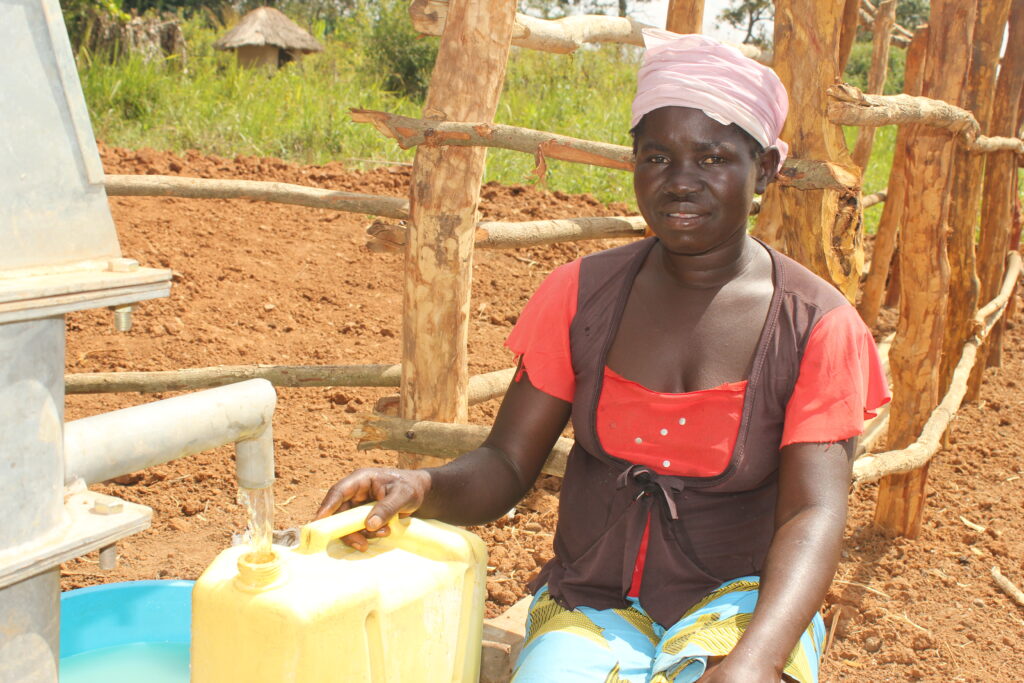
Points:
point(266, 36)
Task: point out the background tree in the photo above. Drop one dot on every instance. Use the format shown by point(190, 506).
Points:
point(912, 13)
point(751, 16)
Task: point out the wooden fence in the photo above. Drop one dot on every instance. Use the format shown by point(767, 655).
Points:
point(959, 121)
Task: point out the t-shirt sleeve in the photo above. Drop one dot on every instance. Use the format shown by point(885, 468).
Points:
point(540, 338)
point(841, 382)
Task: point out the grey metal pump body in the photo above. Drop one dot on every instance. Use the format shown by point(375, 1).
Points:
point(59, 253)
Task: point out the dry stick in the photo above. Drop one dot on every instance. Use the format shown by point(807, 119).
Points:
point(803, 174)
point(481, 387)
point(1007, 586)
point(561, 36)
point(282, 193)
point(873, 466)
point(438, 439)
point(389, 238)
point(851, 107)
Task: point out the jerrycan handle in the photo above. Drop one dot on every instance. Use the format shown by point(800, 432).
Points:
point(315, 536)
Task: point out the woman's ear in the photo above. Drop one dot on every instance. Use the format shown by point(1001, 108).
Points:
point(768, 163)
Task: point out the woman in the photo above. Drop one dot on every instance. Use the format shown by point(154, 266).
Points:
point(716, 390)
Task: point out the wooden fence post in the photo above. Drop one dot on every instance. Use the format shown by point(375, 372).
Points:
point(873, 292)
point(885, 19)
point(819, 228)
point(924, 266)
point(848, 32)
point(1000, 187)
point(465, 86)
point(965, 192)
point(685, 16)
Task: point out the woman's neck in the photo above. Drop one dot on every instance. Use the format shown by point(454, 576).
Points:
point(711, 270)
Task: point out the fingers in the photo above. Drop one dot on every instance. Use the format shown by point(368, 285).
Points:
point(396, 492)
point(358, 540)
point(351, 491)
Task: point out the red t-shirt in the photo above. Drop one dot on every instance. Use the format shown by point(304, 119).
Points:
point(840, 384)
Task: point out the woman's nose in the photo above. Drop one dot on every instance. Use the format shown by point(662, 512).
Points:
point(682, 180)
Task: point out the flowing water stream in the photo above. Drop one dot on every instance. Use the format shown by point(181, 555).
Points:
point(259, 508)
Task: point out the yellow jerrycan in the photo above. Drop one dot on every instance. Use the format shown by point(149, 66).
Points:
point(408, 610)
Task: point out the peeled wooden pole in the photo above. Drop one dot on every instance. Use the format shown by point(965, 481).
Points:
point(282, 193)
point(804, 174)
point(924, 267)
point(480, 387)
point(685, 16)
point(205, 378)
point(848, 33)
point(851, 107)
point(918, 454)
point(388, 238)
point(1000, 185)
point(465, 85)
point(873, 292)
point(819, 228)
point(885, 19)
point(965, 191)
point(440, 441)
point(563, 36)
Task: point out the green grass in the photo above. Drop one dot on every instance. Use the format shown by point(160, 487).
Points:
point(300, 113)
point(876, 175)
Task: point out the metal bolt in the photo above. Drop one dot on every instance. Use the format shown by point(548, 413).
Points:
point(123, 318)
point(108, 557)
point(122, 265)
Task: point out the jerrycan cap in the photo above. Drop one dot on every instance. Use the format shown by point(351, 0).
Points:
point(315, 536)
point(260, 571)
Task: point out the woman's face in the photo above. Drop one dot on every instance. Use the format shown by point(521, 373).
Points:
point(695, 178)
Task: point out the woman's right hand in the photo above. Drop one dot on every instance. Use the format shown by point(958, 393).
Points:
point(396, 492)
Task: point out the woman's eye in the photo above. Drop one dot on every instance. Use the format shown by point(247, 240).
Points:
point(657, 159)
point(713, 159)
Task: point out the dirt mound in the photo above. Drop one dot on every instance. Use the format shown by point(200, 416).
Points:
point(265, 283)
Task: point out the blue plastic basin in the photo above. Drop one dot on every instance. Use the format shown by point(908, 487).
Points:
point(126, 633)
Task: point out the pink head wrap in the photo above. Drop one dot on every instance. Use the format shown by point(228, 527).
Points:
point(699, 72)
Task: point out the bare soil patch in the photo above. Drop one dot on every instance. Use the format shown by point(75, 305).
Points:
point(265, 283)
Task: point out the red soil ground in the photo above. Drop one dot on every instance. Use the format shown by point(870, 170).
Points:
point(265, 283)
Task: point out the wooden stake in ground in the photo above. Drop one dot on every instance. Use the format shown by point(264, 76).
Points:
point(885, 19)
point(892, 213)
point(1000, 186)
point(848, 32)
point(924, 267)
point(465, 85)
point(819, 228)
point(685, 16)
point(966, 188)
